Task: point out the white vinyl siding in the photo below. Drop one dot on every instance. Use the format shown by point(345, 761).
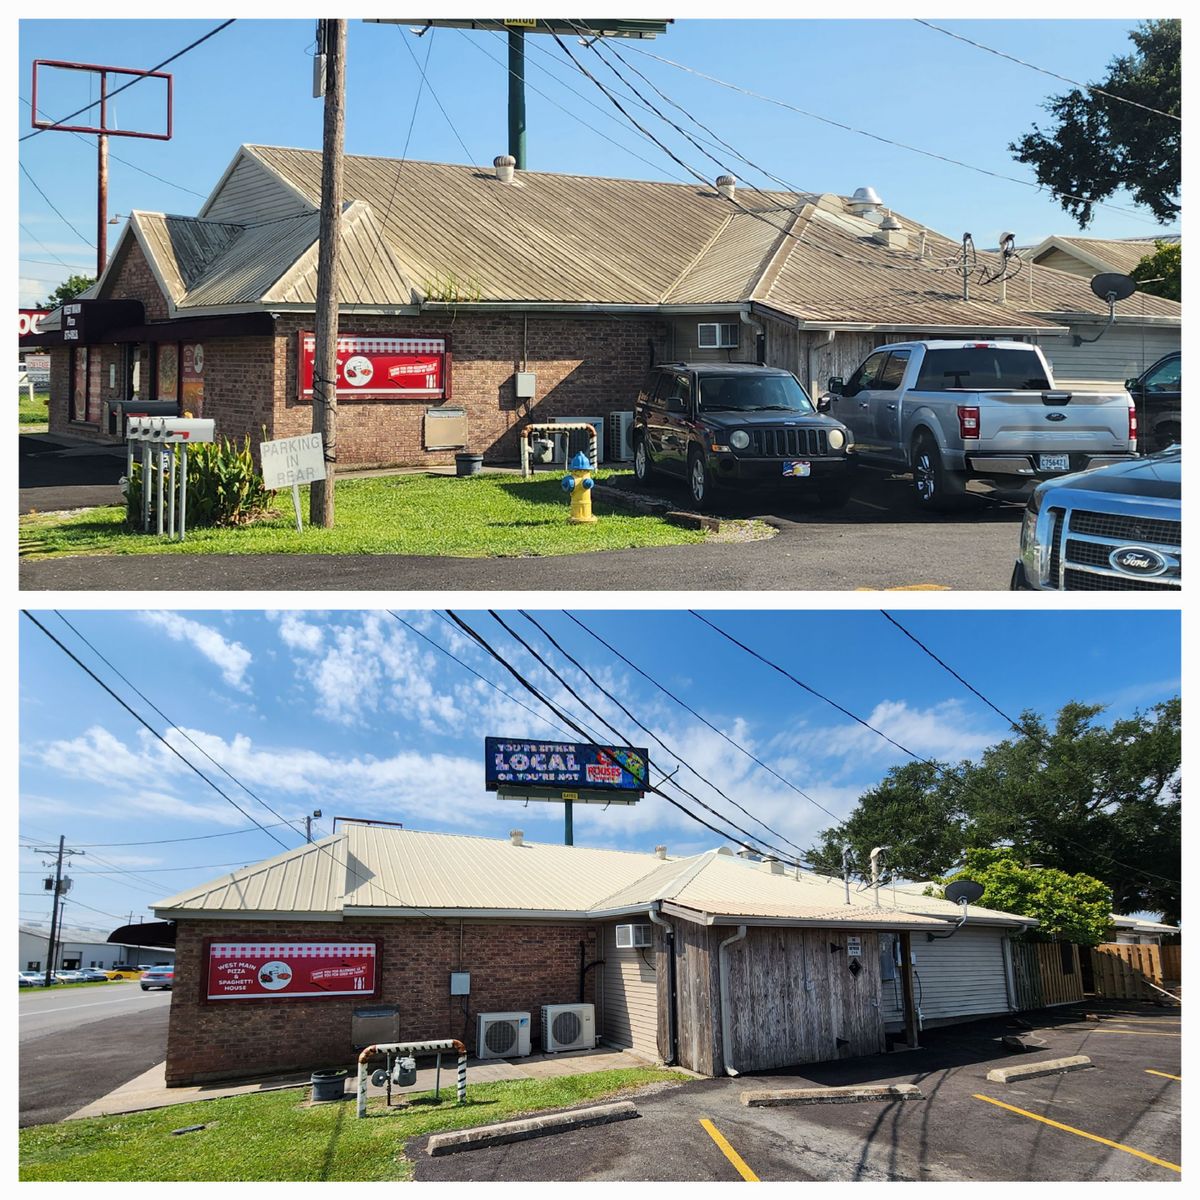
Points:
point(629, 1004)
point(1120, 354)
point(958, 977)
point(252, 194)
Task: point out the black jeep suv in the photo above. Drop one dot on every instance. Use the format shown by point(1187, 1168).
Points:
point(738, 425)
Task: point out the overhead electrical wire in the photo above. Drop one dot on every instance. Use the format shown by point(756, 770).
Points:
point(958, 37)
point(54, 207)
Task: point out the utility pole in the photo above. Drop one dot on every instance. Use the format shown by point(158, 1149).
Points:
point(316, 813)
point(102, 188)
point(966, 268)
point(846, 870)
point(331, 41)
point(61, 887)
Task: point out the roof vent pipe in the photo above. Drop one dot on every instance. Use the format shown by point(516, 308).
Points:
point(772, 866)
point(518, 836)
point(727, 186)
point(505, 166)
point(864, 201)
point(660, 852)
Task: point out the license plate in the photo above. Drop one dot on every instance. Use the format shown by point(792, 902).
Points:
point(797, 470)
point(1054, 462)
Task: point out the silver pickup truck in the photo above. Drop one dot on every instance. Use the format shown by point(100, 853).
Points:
point(950, 411)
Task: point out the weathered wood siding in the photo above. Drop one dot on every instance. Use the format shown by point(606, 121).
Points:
point(699, 1006)
point(1124, 972)
point(1047, 973)
point(629, 996)
point(956, 978)
point(793, 998)
point(252, 193)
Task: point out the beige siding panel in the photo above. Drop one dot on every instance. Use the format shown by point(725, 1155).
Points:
point(630, 1003)
point(1061, 261)
point(959, 977)
point(1120, 354)
point(252, 193)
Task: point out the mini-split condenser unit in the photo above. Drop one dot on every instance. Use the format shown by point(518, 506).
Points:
point(634, 937)
point(502, 1035)
point(620, 436)
point(568, 444)
point(568, 1027)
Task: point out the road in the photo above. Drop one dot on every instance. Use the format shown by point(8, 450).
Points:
point(879, 541)
point(77, 1045)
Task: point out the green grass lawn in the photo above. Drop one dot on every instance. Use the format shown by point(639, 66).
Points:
point(35, 413)
point(482, 516)
point(279, 1136)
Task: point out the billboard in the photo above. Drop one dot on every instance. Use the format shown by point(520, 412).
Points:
point(512, 762)
point(29, 320)
point(287, 970)
point(380, 368)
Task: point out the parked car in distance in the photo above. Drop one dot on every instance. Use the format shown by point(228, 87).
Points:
point(738, 425)
point(1157, 395)
point(158, 977)
point(92, 975)
point(951, 411)
point(31, 978)
point(1116, 528)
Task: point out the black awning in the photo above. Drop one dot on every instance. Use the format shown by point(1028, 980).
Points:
point(135, 329)
point(145, 933)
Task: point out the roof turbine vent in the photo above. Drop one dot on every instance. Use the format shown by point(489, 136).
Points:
point(865, 203)
point(891, 233)
point(727, 186)
point(506, 167)
point(518, 836)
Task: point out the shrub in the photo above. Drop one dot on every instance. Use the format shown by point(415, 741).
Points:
point(224, 487)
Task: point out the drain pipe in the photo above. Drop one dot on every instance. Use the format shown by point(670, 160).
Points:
point(672, 1030)
point(723, 979)
point(814, 348)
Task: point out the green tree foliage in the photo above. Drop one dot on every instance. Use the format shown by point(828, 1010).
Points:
point(1165, 267)
point(1080, 796)
point(1098, 145)
point(67, 291)
point(1068, 908)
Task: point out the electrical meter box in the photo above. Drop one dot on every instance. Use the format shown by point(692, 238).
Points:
point(525, 383)
point(460, 983)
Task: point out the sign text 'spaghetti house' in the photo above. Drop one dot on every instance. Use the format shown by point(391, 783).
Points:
point(735, 966)
point(474, 301)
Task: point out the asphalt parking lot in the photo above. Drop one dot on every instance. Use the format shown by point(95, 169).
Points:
point(1116, 1121)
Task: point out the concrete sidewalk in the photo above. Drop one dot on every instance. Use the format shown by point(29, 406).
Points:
point(149, 1090)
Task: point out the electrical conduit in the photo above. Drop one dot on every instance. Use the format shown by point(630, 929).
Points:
point(723, 978)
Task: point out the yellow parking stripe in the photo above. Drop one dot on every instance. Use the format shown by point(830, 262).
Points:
point(1137, 1033)
point(730, 1153)
point(1160, 1162)
point(1177, 1078)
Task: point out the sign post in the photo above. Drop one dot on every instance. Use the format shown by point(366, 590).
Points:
point(289, 462)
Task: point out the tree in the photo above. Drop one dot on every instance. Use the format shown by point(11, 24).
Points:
point(66, 292)
point(1080, 797)
point(1068, 908)
point(1165, 268)
point(1100, 144)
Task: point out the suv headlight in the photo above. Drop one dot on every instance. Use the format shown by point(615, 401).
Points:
point(837, 439)
point(739, 439)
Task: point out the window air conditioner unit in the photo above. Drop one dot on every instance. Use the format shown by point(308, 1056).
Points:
point(572, 443)
point(568, 1027)
point(633, 937)
point(717, 335)
point(502, 1035)
point(620, 436)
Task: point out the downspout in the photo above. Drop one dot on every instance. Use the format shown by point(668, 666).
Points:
point(723, 981)
point(584, 969)
point(672, 1030)
point(1010, 987)
point(813, 382)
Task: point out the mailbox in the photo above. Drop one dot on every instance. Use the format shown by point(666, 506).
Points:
point(185, 429)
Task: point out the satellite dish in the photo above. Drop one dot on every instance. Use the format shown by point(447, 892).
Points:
point(1113, 287)
point(964, 889)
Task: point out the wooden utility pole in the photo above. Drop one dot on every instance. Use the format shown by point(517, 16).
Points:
point(333, 44)
point(61, 886)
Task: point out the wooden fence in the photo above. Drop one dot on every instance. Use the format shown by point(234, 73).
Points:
point(1124, 972)
point(1046, 973)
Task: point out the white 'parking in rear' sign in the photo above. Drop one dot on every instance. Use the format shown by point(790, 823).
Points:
point(292, 461)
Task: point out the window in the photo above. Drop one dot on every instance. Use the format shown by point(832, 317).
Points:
point(982, 369)
point(753, 393)
point(717, 335)
point(1165, 377)
point(893, 371)
point(33, 966)
point(866, 375)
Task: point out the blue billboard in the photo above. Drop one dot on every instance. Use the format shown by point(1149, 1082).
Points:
point(513, 762)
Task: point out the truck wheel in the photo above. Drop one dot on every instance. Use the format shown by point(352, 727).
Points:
point(643, 470)
point(935, 488)
point(698, 485)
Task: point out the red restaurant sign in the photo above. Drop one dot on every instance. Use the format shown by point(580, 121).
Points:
point(254, 970)
point(29, 320)
point(380, 367)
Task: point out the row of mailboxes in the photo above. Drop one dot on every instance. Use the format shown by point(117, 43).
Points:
point(170, 430)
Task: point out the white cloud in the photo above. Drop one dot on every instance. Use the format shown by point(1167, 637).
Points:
point(232, 658)
point(300, 634)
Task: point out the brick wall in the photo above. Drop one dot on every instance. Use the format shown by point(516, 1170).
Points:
point(514, 967)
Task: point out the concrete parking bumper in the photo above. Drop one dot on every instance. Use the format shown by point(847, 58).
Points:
point(833, 1095)
point(1050, 1066)
point(531, 1127)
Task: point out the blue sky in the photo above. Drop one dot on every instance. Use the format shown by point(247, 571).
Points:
point(896, 78)
point(356, 715)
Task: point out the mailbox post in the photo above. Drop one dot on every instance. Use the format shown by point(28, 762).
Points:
point(158, 437)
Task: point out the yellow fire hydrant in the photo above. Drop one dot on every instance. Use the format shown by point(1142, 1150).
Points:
point(578, 485)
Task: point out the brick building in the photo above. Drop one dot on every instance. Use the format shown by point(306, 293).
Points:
point(458, 283)
point(273, 960)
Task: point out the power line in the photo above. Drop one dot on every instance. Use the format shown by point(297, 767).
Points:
point(136, 79)
point(153, 870)
point(958, 37)
point(38, 186)
point(886, 140)
point(197, 838)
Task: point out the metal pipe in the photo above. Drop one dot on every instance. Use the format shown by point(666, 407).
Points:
point(412, 1048)
point(875, 871)
point(183, 495)
point(672, 1031)
point(171, 502)
point(723, 981)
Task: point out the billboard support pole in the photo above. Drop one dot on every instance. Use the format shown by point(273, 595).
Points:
point(568, 824)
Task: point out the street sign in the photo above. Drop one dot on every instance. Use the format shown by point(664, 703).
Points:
point(854, 946)
point(289, 462)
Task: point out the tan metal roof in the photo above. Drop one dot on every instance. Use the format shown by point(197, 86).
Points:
point(182, 247)
point(369, 870)
point(1107, 254)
